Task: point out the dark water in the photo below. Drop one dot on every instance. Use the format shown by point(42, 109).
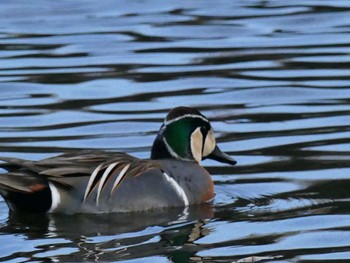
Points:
point(273, 76)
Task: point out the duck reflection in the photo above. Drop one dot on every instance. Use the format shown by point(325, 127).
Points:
point(110, 237)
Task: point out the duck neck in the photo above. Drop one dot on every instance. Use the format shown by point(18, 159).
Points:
point(159, 149)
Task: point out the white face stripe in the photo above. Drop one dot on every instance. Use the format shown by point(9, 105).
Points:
point(185, 116)
point(178, 189)
point(209, 144)
point(197, 144)
point(55, 197)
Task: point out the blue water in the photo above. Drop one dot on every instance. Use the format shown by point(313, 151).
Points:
point(273, 77)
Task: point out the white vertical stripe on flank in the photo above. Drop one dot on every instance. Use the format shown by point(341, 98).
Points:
point(55, 197)
point(177, 188)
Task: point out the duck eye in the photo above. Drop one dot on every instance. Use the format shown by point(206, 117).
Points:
point(204, 130)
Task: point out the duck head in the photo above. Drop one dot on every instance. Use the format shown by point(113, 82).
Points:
point(187, 135)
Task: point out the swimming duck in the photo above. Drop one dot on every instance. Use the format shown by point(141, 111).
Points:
point(104, 182)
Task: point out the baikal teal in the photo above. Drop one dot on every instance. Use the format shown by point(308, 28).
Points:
point(103, 182)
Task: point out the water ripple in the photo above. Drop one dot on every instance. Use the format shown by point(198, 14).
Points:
point(272, 76)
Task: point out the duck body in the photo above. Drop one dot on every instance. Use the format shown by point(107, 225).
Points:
point(105, 182)
point(100, 182)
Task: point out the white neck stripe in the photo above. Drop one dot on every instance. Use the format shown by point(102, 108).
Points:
point(186, 116)
point(172, 152)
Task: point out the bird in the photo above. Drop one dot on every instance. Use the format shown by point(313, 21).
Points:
point(91, 181)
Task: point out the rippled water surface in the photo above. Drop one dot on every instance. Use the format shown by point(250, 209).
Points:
point(273, 76)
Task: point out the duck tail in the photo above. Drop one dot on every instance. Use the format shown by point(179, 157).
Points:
point(23, 189)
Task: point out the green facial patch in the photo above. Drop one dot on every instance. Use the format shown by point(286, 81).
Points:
point(178, 135)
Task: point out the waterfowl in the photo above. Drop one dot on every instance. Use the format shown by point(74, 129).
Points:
point(104, 182)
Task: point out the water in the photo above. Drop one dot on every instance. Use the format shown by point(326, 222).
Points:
point(273, 76)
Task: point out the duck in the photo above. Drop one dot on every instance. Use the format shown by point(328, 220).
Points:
point(91, 181)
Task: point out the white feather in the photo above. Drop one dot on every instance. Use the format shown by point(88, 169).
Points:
point(120, 177)
point(92, 178)
point(178, 189)
point(55, 197)
point(103, 179)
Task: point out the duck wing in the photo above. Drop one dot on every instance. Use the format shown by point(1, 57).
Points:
point(29, 176)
